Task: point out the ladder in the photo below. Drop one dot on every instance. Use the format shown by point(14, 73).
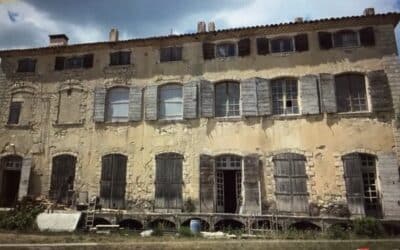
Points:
point(89, 223)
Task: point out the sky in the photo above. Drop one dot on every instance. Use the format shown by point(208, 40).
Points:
point(27, 23)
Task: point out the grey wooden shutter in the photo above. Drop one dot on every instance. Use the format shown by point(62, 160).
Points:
point(262, 46)
point(309, 95)
point(301, 42)
point(299, 184)
point(208, 51)
point(99, 104)
point(25, 176)
point(264, 97)
point(282, 183)
point(135, 104)
point(244, 47)
point(207, 98)
point(354, 183)
point(379, 89)
point(150, 103)
point(251, 179)
point(389, 176)
point(190, 100)
point(328, 94)
point(367, 36)
point(207, 183)
point(249, 97)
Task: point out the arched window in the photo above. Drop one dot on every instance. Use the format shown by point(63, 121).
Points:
point(345, 38)
point(351, 93)
point(361, 184)
point(117, 104)
point(227, 99)
point(62, 178)
point(113, 181)
point(170, 101)
point(285, 96)
point(10, 175)
point(169, 181)
point(291, 183)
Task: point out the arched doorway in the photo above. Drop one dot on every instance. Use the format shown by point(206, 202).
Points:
point(10, 173)
point(62, 178)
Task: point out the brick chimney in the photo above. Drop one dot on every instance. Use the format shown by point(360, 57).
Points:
point(58, 40)
point(211, 26)
point(369, 12)
point(114, 35)
point(201, 27)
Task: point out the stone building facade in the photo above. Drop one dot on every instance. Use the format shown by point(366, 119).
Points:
point(295, 118)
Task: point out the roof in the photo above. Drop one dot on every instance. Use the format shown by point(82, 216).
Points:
point(307, 25)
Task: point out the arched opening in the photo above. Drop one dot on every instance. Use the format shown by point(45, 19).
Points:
point(305, 226)
point(131, 224)
point(291, 183)
point(117, 104)
point(228, 183)
point(362, 192)
point(162, 224)
point(228, 224)
point(204, 224)
point(10, 173)
point(62, 178)
point(227, 99)
point(285, 96)
point(170, 101)
point(113, 181)
point(101, 221)
point(168, 195)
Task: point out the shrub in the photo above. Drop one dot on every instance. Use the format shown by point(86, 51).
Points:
point(185, 232)
point(158, 231)
point(368, 227)
point(338, 232)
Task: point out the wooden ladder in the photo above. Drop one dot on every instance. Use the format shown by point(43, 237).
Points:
point(89, 223)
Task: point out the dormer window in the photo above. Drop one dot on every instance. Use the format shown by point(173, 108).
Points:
point(226, 50)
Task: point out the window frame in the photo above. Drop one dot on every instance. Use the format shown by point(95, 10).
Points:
point(350, 94)
point(173, 56)
point(292, 41)
point(227, 43)
point(169, 87)
point(119, 56)
point(108, 104)
point(227, 104)
point(10, 113)
point(342, 32)
point(26, 65)
point(283, 82)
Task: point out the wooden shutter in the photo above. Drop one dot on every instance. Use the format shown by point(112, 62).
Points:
point(99, 103)
point(379, 89)
point(208, 51)
point(105, 181)
point(262, 46)
point(251, 182)
point(282, 183)
point(299, 184)
point(113, 181)
point(249, 97)
point(62, 177)
point(325, 40)
point(25, 177)
point(190, 100)
point(327, 92)
point(150, 103)
point(264, 97)
point(207, 98)
point(59, 64)
point(389, 177)
point(301, 42)
point(244, 47)
point(88, 61)
point(354, 183)
point(309, 95)
point(207, 184)
point(367, 36)
point(135, 104)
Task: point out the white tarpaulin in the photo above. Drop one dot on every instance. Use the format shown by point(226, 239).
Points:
point(58, 221)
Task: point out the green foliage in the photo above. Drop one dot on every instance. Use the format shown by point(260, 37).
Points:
point(22, 217)
point(189, 206)
point(338, 232)
point(185, 232)
point(368, 227)
point(158, 231)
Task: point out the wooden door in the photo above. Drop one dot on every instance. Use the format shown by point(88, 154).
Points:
point(354, 183)
point(62, 178)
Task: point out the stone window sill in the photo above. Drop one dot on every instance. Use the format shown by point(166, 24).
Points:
point(353, 114)
point(69, 124)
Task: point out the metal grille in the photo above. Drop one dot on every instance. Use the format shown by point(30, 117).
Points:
point(284, 96)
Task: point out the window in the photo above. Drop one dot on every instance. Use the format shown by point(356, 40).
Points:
point(26, 65)
point(117, 104)
point(120, 58)
point(280, 45)
point(226, 50)
point(170, 101)
point(350, 93)
point(284, 96)
point(74, 62)
point(15, 111)
point(345, 38)
point(227, 99)
point(170, 54)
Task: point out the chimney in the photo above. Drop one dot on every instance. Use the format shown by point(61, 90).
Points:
point(201, 27)
point(58, 40)
point(369, 12)
point(211, 26)
point(114, 34)
point(298, 20)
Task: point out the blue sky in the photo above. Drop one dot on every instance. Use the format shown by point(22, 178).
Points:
point(28, 23)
